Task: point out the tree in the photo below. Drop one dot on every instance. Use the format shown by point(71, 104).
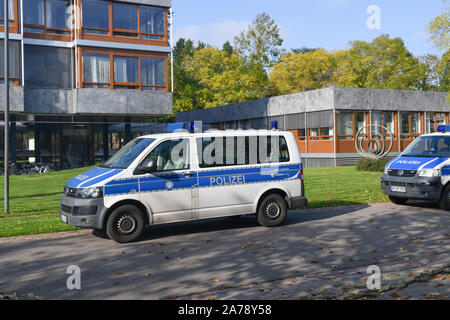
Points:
point(304, 50)
point(186, 89)
point(228, 48)
point(384, 63)
point(223, 78)
point(303, 71)
point(439, 29)
point(261, 43)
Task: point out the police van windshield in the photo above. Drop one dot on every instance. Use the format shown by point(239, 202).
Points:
point(429, 146)
point(125, 156)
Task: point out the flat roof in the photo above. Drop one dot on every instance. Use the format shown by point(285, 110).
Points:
point(332, 98)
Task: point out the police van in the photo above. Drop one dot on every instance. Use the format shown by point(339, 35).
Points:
point(188, 175)
point(422, 171)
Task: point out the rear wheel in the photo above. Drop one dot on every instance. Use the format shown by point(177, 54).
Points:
point(444, 203)
point(125, 224)
point(397, 200)
point(272, 211)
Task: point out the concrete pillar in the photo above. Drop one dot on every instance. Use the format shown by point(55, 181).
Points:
point(105, 142)
point(13, 141)
point(37, 142)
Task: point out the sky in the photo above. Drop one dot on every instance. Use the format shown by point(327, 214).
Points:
point(328, 24)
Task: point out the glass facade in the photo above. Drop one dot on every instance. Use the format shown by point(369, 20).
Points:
point(95, 16)
point(50, 16)
point(48, 67)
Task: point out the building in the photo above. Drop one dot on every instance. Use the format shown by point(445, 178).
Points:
point(79, 66)
point(326, 121)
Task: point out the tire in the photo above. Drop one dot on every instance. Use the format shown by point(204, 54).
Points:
point(397, 200)
point(125, 224)
point(444, 203)
point(272, 211)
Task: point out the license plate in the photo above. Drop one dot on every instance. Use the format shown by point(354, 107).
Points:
point(63, 218)
point(398, 189)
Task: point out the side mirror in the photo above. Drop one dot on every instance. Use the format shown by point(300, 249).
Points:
point(148, 166)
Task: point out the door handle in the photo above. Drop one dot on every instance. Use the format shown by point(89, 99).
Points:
point(188, 174)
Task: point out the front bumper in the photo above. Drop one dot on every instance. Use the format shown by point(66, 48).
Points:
point(82, 213)
point(422, 188)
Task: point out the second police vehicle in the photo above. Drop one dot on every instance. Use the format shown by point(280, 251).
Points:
point(422, 171)
point(188, 175)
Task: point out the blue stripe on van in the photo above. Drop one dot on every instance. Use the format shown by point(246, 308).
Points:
point(209, 178)
point(96, 174)
point(435, 163)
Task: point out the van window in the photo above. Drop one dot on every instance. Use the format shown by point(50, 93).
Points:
point(241, 150)
point(125, 156)
point(171, 155)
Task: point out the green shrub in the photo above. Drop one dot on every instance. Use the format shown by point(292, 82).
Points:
point(372, 164)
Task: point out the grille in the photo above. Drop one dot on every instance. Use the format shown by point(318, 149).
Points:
point(65, 208)
point(402, 173)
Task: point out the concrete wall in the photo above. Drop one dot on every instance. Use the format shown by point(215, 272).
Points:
point(15, 98)
point(160, 3)
point(390, 100)
point(123, 102)
point(44, 101)
point(48, 101)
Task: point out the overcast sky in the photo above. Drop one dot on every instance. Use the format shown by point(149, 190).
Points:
point(328, 24)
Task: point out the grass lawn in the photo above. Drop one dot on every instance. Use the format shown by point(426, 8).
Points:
point(34, 200)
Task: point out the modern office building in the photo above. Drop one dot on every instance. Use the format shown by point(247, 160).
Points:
point(79, 66)
point(326, 121)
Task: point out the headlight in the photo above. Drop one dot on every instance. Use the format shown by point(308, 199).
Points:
point(88, 193)
point(430, 173)
point(386, 170)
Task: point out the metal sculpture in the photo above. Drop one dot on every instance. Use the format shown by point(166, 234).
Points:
point(371, 141)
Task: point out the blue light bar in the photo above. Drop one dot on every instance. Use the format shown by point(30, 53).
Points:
point(274, 124)
point(192, 127)
point(444, 128)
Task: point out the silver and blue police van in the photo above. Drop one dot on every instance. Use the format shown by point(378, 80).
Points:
point(422, 171)
point(185, 175)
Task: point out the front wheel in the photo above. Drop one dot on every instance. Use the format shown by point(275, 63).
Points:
point(272, 211)
point(125, 224)
point(444, 203)
point(397, 200)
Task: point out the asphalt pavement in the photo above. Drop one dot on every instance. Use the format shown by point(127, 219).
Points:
point(317, 254)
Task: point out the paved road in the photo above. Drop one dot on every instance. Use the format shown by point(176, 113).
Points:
point(227, 255)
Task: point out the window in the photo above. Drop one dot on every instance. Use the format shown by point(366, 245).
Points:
point(404, 123)
point(126, 72)
point(125, 19)
point(433, 120)
point(14, 61)
point(48, 67)
point(95, 16)
point(388, 121)
point(11, 10)
point(130, 71)
point(52, 16)
point(152, 22)
point(33, 14)
point(96, 70)
point(301, 134)
point(125, 156)
point(241, 150)
point(171, 155)
point(360, 121)
point(345, 125)
point(410, 125)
